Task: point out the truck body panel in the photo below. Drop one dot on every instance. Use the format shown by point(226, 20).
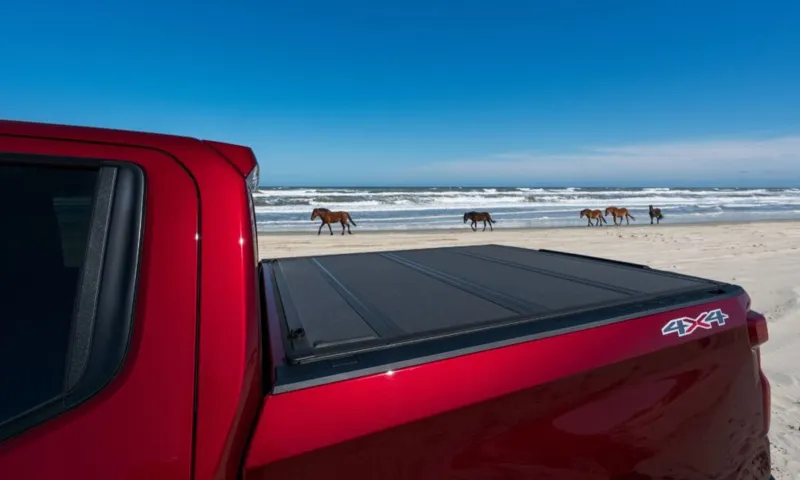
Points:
point(505, 362)
point(192, 185)
point(606, 402)
point(229, 369)
point(125, 427)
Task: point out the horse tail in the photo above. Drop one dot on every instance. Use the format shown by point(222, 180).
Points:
point(631, 216)
point(660, 216)
point(603, 219)
point(350, 218)
point(491, 220)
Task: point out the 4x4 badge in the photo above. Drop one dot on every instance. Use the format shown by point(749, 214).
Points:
point(686, 325)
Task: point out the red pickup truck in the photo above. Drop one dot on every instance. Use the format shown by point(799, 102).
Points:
point(142, 338)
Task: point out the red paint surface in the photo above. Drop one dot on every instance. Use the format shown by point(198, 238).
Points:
point(230, 338)
point(140, 426)
point(613, 400)
point(240, 157)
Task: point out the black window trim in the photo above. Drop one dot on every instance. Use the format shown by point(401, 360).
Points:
point(104, 308)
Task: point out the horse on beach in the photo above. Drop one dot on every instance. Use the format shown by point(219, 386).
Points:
point(329, 217)
point(590, 215)
point(620, 213)
point(655, 213)
point(476, 217)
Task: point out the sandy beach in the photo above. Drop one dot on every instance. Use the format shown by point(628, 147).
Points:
point(763, 257)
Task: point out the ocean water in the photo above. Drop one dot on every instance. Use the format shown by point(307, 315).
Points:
point(289, 209)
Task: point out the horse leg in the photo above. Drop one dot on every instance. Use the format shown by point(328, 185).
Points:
point(627, 220)
point(329, 228)
point(348, 228)
point(474, 226)
point(491, 228)
point(320, 228)
point(651, 219)
point(484, 225)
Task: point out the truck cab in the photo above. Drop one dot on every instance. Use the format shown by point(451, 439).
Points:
point(132, 342)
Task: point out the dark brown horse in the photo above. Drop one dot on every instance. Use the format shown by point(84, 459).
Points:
point(590, 215)
point(620, 213)
point(476, 217)
point(655, 213)
point(329, 217)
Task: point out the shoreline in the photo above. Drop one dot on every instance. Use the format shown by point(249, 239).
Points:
point(465, 229)
point(286, 211)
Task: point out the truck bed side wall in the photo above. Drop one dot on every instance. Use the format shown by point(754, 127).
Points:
point(612, 400)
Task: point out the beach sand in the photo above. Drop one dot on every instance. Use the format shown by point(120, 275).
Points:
point(762, 257)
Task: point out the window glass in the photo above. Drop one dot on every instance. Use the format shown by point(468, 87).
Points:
point(44, 227)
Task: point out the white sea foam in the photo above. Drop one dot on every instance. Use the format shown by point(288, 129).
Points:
point(398, 208)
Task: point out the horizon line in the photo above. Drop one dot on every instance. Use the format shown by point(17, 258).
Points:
point(695, 187)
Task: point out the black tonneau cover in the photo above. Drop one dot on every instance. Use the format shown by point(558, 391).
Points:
point(339, 305)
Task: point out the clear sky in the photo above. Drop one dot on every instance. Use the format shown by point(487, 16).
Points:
point(647, 93)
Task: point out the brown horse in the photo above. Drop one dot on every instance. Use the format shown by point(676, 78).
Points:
point(476, 217)
point(329, 217)
point(620, 213)
point(593, 215)
point(655, 213)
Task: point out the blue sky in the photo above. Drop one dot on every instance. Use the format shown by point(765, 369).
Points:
point(653, 93)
